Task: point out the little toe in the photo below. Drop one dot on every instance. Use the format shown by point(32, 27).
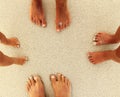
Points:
point(28, 86)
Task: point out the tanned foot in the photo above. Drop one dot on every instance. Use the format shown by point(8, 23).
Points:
point(20, 61)
point(9, 41)
point(14, 42)
point(37, 14)
point(103, 38)
point(61, 85)
point(62, 15)
point(98, 57)
point(35, 87)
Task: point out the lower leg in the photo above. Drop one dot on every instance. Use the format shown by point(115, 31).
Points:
point(9, 41)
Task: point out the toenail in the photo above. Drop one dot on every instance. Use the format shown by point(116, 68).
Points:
point(58, 30)
point(94, 43)
point(35, 78)
point(18, 45)
point(94, 39)
point(52, 76)
point(26, 58)
point(43, 25)
point(30, 77)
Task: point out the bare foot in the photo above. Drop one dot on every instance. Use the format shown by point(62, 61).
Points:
point(9, 41)
point(35, 87)
point(37, 13)
point(61, 85)
point(103, 38)
point(98, 57)
point(20, 60)
point(14, 42)
point(62, 15)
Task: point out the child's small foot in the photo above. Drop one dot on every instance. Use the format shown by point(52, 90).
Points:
point(21, 60)
point(14, 42)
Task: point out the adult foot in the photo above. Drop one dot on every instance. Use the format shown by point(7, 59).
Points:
point(103, 38)
point(35, 87)
point(98, 57)
point(62, 15)
point(14, 42)
point(61, 85)
point(37, 14)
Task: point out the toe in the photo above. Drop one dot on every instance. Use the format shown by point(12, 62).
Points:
point(37, 78)
point(32, 80)
point(58, 26)
point(53, 78)
point(44, 24)
point(29, 82)
point(28, 86)
point(59, 76)
point(63, 78)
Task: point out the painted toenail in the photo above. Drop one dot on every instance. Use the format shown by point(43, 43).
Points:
point(43, 25)
point(58, 30)
point(18, 45)
point(30, 77)
point(35, 78)
point(94, 39)
point(94, 43)
point(26, 58)
point(52, 76)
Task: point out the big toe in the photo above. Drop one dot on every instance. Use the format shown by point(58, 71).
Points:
point(37, 79)
point(53, 78)
point(44, 23)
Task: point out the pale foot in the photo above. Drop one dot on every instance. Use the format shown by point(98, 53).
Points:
point(98, 57)
point(14, 42)
point(37, 13)
point(62, 15)
point(21, 60)
point(61, 85)
point(35, 87)
point(103, 38)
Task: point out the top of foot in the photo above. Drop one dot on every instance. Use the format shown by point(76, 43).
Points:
point(61, 85)
point(103, 38)
point(35, 87)
point(37, 14)
point(62, 15)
